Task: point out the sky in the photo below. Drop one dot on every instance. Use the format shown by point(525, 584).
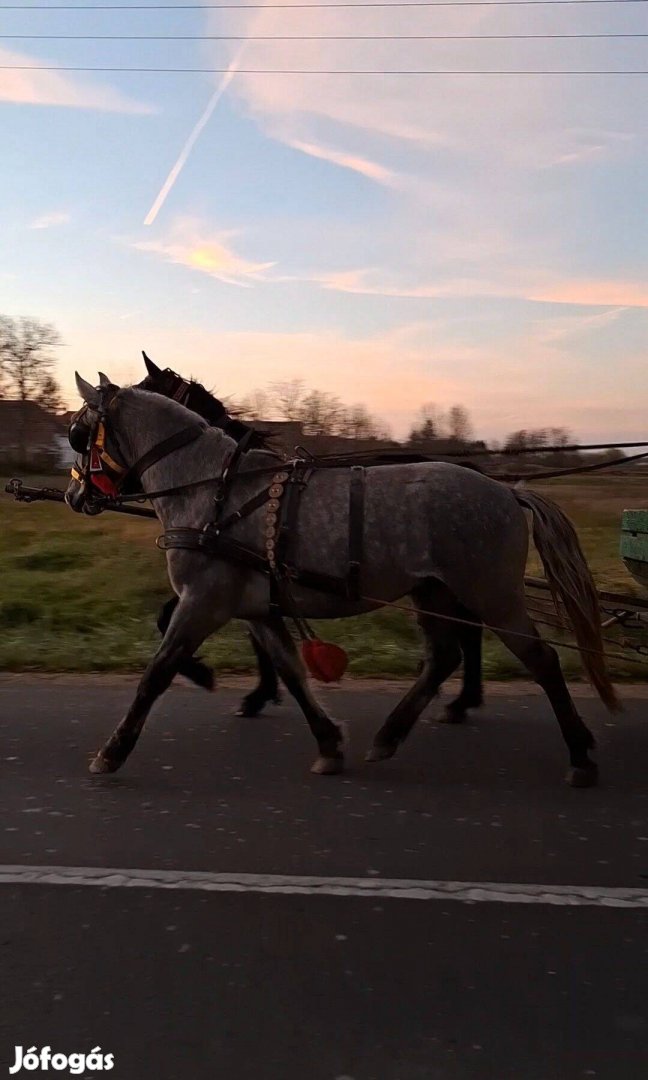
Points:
point(396, 240)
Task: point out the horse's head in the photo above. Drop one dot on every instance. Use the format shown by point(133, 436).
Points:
point(97, 471)
point(120, 434)
point(194, 396)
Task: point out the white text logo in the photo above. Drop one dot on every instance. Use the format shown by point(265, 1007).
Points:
point(75, 1064)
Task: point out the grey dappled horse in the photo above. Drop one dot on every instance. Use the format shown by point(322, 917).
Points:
point(194, 396)
point(452, 539)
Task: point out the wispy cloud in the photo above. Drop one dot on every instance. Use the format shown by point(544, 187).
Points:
point(594, 293)
point(572, 326)
point(49, 221)
point(581, 145)
point(34, 86)
point(192, 245)
point(371, 169)
point(528, 285)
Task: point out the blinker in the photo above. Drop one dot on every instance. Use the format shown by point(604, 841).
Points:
point(78, 436)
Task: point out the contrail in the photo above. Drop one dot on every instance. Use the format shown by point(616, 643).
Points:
point(188, 146)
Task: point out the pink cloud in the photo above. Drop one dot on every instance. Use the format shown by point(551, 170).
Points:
point(594, 293)
point(38, 87)
point(192, 245)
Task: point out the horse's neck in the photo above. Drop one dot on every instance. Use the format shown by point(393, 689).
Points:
point(146, 428)
point(203, 458)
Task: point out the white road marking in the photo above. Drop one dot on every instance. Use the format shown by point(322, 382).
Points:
point(466, 892)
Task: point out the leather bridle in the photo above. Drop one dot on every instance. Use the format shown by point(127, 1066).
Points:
point(99, 471)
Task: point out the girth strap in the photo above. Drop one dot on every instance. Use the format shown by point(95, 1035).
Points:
point(289, 514)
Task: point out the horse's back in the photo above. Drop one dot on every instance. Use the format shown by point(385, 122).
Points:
point(423, 520)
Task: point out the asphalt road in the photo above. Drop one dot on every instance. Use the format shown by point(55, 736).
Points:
point(302, 986)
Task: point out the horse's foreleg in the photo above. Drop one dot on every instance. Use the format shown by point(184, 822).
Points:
point(273, 636)
point(267, 689)
point(191, 623)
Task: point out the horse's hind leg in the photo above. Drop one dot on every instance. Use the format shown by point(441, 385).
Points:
point(273, 636)
point(442, 657)
point(191, 623)
point(541, 661)
point(472, 691)
point(267, 689)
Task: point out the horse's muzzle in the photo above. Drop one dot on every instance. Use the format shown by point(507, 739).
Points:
point(75, 495)
point(77, 498)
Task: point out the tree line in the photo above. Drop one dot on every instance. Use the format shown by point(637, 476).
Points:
point(28, 361)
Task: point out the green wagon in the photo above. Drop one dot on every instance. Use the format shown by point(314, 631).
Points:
point(634, 544)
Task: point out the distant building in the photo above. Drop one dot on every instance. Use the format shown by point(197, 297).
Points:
point(31, 436)
point(289, 434)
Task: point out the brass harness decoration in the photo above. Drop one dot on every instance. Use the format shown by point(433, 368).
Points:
point(273, 505)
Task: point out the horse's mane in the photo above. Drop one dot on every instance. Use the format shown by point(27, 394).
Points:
point(205, 404)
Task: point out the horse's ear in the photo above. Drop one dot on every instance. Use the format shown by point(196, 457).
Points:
point(89, 394)
point(152, 368)
point(104, 380)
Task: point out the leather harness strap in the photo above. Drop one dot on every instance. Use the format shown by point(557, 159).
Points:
point(278, 560)
point(163, 449)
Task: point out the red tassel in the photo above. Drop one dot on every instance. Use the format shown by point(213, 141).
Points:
point(326, 662)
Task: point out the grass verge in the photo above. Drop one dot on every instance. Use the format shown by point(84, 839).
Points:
point(81, 594)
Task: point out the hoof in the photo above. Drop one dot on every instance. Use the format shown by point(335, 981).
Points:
point(381, 751)
point(328, 766)
point(252, 706)
point(582, 776)
point(245, 709)
point(453, 716)
point(100, 764)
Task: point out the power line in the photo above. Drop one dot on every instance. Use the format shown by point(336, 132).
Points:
point(319, 37)
point(307, 71)
point(293, 7)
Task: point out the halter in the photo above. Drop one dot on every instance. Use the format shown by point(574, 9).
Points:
point(181, 391)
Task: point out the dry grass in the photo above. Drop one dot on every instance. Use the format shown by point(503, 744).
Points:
point(81, 594)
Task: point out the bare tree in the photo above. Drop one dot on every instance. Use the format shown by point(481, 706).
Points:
point(321, 413)
point(49, 395)
point(431, 425)
point(460, 424)
point(26, 355)
point(255, 406)
point(358, 423)
point(287, 398)
point(27, 361)
point(559, 436)
point(516, 441)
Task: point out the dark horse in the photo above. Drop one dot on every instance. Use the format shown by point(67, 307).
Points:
point(195, 397)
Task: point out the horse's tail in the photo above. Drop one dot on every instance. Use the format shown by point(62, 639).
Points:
point(571, 584)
